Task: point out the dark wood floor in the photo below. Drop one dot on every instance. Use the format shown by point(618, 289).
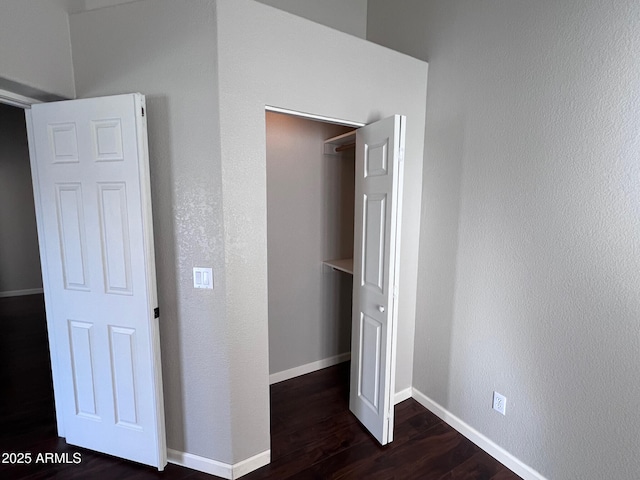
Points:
point(313, 434)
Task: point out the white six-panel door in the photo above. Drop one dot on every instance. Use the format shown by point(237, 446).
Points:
point(379, 150)
point(93, 206)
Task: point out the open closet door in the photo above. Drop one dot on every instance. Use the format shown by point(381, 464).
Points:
point(90, 172)
point(379, 166)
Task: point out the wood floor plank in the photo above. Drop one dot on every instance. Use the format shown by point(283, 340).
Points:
point(480, 466)
point(505, 474)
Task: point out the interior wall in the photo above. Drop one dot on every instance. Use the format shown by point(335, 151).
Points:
point(209, 192)
point(19, 255)
point(349, 16)
point(35, 50)
point(530, 253)
point(309, 202)
point(267, 57)
point(76, 6)
point(166, 49)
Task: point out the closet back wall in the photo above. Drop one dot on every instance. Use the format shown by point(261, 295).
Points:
point(309, 312)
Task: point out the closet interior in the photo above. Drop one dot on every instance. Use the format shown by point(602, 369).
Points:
point(310, 214)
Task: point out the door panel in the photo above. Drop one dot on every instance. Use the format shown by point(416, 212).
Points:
point(82, 355)
point(115, 237)
point(91, 178)
point(379, 148)
point(122, 341)
point(373, 230)
point(369, 385)
point(72, 236)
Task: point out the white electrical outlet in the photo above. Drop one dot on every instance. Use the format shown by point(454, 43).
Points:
point(499, 403)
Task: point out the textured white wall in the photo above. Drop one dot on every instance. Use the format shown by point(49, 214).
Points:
point(35, 50)
point(209, 193)
point(349, 16)
point(19, 258)
point(267, 57)
point(530, 245)
point(166, 49)
point(309, 203)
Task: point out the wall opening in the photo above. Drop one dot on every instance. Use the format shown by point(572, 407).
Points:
point(310, 197)
point(26, 365)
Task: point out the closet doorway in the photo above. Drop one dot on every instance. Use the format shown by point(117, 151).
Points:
point(336, 203)
point(310, 201)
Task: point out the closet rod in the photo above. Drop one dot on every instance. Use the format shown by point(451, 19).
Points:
point(344, 147)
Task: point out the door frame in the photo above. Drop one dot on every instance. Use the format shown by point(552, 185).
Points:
point(20, 101)
point(313, 116)
point(394, 259)
point(16, 100)
point(304, 116)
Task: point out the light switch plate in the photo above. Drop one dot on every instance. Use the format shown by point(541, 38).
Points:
point(202, 277)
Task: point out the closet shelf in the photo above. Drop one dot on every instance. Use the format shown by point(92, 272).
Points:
point(334, 145)
point(344, 265)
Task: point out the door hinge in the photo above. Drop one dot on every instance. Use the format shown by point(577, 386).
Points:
point(142, 111)
point(156, 312)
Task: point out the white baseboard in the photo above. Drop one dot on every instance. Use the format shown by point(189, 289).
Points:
point(232, 472)
point(327, 362)
point(251, 464)
point(201, 464)
point(308, 368)
point(402, 395)
point(219, 469)
point(19, 293)
point(492, 448)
